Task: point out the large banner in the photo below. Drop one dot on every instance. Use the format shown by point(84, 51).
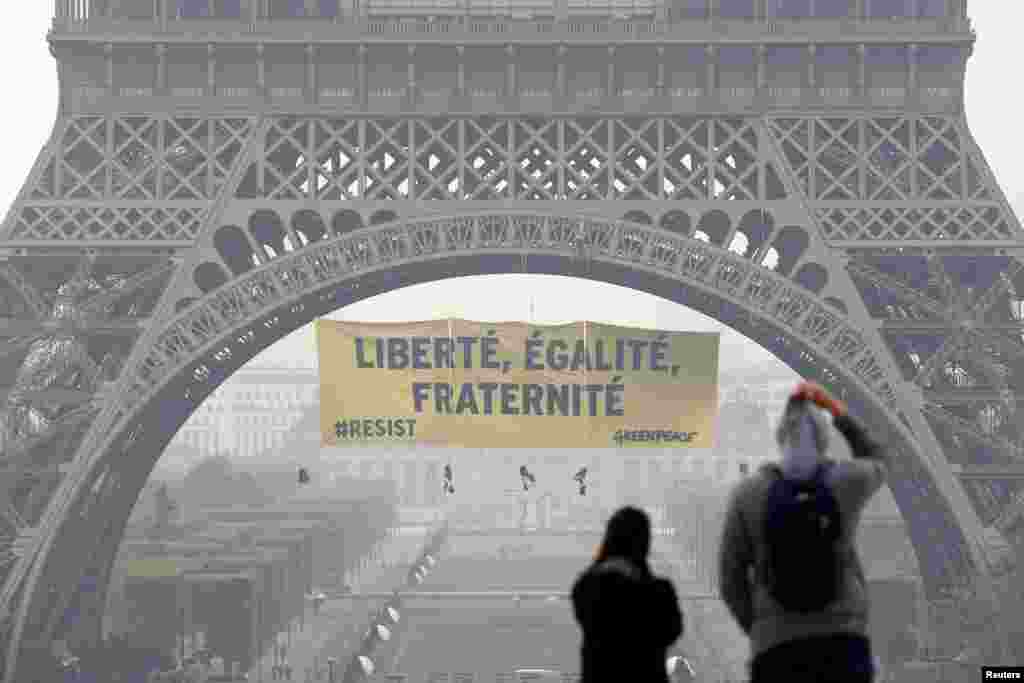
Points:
point(513, 385)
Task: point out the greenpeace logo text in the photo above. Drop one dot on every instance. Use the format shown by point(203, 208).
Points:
point(655, 435)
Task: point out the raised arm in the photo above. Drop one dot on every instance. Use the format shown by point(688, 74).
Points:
point(862, 445)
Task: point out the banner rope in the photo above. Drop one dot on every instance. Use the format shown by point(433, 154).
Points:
point(522, 262)
point(451, 380)
point(451, 356)
point(529, 330)
point(586, 363)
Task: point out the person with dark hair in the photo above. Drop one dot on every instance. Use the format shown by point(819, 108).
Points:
point(629, 617)
point(788, 566)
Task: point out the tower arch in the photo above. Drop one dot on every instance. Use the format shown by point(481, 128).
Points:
point(211, 337)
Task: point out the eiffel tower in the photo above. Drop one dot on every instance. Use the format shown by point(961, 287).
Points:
point(222, 172)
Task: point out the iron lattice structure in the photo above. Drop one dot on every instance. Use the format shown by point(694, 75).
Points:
point(222, 173)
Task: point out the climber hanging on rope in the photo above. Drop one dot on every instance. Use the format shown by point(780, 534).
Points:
point(449, 487)
point(527, 478)
point(581, 479)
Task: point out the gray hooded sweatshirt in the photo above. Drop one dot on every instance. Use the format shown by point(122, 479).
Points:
point(742, 549)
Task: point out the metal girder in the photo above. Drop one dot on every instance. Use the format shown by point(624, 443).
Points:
point(690, 260)
point(983, 361)
point(52, 396)
point(968, 428)
point(15, 526)
point(971, 331)
point(946, 326)
point(967, 396)
point(18, 470)
point(97, 303)
point(868, 272)
point(24, 577)
point(84, 268)
point(1010, 514)
point(1006, 346)
point(10, 347)
point(31, 296)
point(21, 466)
point(949, 347)
point(11, 516)
point(958, 342)
point(1015, 472)
point(959, 333)
point(15, 327)
point(65, 421)
point(937, 275)
point(987, 300)
point(80, 356)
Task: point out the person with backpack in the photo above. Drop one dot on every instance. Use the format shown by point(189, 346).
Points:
point(788, 568)
point(628, 616)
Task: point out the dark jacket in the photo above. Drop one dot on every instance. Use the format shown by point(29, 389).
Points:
point(742, 549)
point(629, 620)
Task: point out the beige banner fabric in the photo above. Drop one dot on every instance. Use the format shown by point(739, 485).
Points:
point(460, 383)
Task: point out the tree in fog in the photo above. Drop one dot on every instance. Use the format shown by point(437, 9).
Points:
point(216, 481)
point(176, 459)
point(277, 475)
point(164, 513)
